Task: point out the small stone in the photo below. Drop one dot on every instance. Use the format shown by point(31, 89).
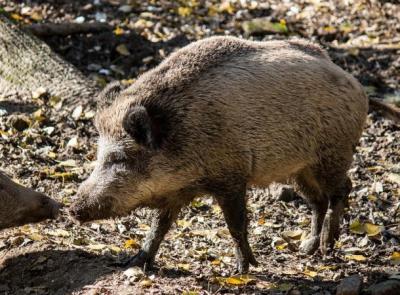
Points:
point(76, 114)
point(134, 273)
point(125, 8)
point(350, 286)
point(38, 93)
point(80, 19)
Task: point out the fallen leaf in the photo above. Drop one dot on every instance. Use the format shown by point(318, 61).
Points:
point(118, 31)
point(262, 25)
point(293, 235)
point(146, 283)
point(123, 50)
point(310, 273)
point(184, 11)
point(131, 244)
point(68, 163)
point(97, 247)
point(76, 114)
point(368, 228)
point(356, 257)
point(239, 280)
point(395, 258)
point(59, 233)
point(184, 266)
point(372, 229)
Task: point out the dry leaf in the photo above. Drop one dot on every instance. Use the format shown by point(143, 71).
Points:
point(131, 244)
point(239, 280)
point(76, 114)
point(59, 233)
point(184, 11)
point(395, 258)
point(123, 50)
point(356, 257)
point(118, 31)
point(310, 273)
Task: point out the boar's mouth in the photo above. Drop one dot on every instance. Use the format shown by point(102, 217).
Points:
point(84, 211)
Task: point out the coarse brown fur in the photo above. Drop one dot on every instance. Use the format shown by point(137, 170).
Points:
point(20, 205)
point(223, 114)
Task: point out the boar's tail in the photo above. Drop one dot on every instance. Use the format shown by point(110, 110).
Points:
point(388, 110)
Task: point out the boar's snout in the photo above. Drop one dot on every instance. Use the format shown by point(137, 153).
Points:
point(50, 206)
point(88, 209)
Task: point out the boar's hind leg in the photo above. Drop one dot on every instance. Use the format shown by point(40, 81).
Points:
point(310, 190)
point(160, 225)
point(331, 226)
point(232, 200)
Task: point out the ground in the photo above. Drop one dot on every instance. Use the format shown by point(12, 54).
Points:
point(53, 151)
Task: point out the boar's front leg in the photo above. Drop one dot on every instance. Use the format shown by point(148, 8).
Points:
point(161, 223)
point(233, 204)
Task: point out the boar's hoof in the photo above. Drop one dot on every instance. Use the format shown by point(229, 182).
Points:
point(310, 245)
point(242, 265)
point(142, 259)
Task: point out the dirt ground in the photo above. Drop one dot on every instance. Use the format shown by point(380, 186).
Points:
point(54, 151)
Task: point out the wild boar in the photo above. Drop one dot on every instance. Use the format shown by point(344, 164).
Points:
point(216, 117)
point(20, 205)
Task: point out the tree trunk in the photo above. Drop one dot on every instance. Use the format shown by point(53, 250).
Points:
point(27, 64)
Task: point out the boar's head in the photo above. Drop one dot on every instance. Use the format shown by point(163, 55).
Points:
point(132, 169)
point(20, 205)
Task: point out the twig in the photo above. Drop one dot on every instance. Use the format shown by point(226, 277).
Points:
point(65, 29)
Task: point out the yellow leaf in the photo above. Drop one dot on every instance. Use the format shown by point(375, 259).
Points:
point(146, 283)
point(281, 246)
point(190, 293)
point(261, 221)
point(118, 31)
point(36, 16)
point(216, 262)
point(16, 16)
point(310, 273)
point(35, 237)
point(395, 258)
point(62, 175)
point(123, 50)
point(38, 116)
point(356, 257)
point(238, 280)
point(184, 266)
point(226, 6)
point(52, 155)
point(183, 223)
point(184, 11)
point(131, 244)
point(372, 229)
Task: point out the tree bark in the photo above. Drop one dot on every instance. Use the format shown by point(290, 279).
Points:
point(27, 64)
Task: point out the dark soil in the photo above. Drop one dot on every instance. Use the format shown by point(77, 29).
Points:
point(53, 154)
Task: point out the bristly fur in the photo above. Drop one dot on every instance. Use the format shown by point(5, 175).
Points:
point(223, 114)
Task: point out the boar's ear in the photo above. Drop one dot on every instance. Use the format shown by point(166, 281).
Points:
point(108, 94)
point(143, 126)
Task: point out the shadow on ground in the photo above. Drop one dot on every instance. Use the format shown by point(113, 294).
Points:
point(52, 272)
